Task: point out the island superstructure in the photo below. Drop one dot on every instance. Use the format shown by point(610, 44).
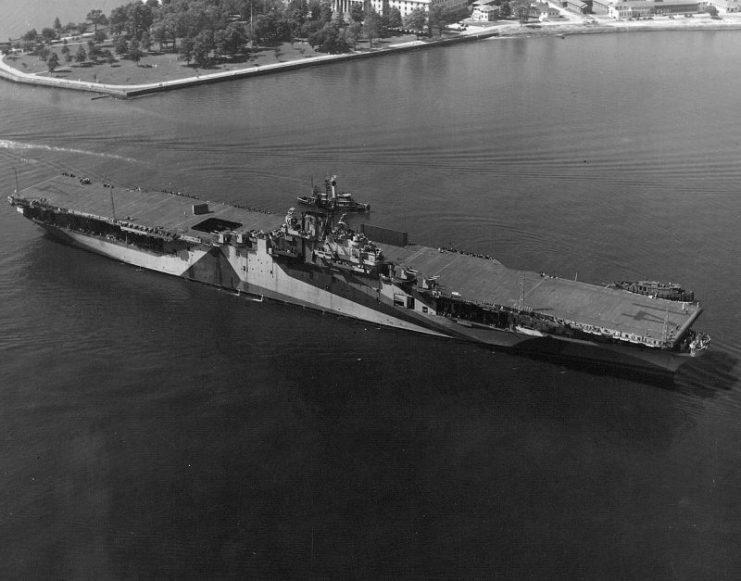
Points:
point(315, 260)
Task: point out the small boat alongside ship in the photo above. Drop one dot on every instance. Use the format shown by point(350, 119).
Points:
point(661, 290)
point(332, 200)
point(315, 260)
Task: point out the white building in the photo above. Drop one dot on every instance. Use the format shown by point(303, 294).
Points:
point(404, 6)
point(644, 8)
point(484, 11)
point(726, 5)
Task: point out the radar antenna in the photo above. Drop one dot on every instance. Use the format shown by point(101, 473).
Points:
point(665, 330)
point(521, 301)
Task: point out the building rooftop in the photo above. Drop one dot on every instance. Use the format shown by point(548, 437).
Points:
point(656, 4)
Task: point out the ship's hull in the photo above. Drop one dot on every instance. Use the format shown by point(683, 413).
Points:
point(351, 294)
point(251, 273)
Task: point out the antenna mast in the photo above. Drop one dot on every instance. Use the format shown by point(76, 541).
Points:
point(521, 302)
point(665, 330)
point(113, 205)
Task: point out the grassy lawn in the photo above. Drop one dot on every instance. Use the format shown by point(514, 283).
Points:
point(156, 67)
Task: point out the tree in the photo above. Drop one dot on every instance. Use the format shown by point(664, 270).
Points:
point(121, 45)
point(315, 10)
point(296, 13)
point(94, 16)
point(145, 43)
point(325, 12)
point(283, 29)
point(118, 20)
point(31, 35)
point(133, 18)
point(505, 10)
point(170, 24)
point(271, 27)
point(220, 43)
point(395, 18)
point(48, 34)
point(57, 24)
point(99, 36)
point(202, 45)
point(93, 50)
point(186, 49)
point(522, 10)
point(44, 53)
point(354, 32)
point(416, 21)
point(383, 23)
point(330, 39)
point(81, 55)
point(140, 18)
point(370, 26)
point(357, 13)
point(263, 28)
point(135, 53)
point(234, 38)
point(160, 34)
point(436, 19)
point(52, 62)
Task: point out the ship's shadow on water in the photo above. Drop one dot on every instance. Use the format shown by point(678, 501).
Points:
point(594, 369)
point(702, 377)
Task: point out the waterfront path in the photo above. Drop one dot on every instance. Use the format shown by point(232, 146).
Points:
point(571, 25)
point(10, 73)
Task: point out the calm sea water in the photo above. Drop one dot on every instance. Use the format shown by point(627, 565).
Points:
point(154, 428)
point(20, 16)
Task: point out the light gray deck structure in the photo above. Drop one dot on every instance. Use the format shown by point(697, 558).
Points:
point(487, 282)
point(478, 280)
point(153, 209)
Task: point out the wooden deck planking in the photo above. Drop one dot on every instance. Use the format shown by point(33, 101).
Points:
point(476, 279)
point(146, 208)
point(481, 280)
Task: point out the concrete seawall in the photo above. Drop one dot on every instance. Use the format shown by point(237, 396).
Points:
point(561, 28)
point(11, 74)
point(128, 91)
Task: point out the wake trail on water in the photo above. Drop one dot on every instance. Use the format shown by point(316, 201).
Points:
point(20, 146)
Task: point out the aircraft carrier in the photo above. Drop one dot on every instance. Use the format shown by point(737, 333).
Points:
point(315, 260)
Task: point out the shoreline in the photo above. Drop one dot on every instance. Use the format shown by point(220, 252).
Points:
point(563, 29)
